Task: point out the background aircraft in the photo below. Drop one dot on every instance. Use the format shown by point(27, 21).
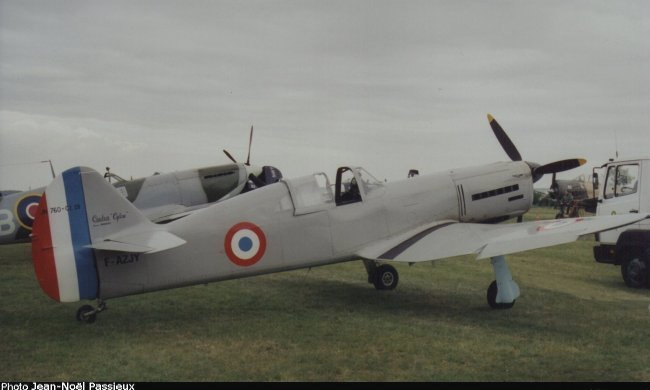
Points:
point(165, 197)
point(572, 197)
point(161, 197)
point(90, 243)
point(17, 212)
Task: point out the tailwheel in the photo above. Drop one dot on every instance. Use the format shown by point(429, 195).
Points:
point(492, 298)
point(88, 314)
point(385, 277)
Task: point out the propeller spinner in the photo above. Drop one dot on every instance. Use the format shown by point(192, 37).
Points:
point(537, 170)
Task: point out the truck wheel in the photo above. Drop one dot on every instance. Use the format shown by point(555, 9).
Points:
point(635, 272)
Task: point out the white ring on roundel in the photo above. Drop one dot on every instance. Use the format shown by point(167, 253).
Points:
point(245, 244)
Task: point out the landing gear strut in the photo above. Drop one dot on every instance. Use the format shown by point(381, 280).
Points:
point(88, 314)
point(504, 291)
point(492, 298)
point(383, 277)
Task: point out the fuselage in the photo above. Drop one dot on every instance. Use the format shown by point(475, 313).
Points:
point(299, 223)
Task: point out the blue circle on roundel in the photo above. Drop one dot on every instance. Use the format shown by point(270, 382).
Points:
point(245, 244)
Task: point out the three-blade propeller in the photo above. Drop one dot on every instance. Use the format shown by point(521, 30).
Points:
point(537, 170)
point(248, 159)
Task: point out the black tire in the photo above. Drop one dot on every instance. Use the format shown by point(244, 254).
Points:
point(385, 277)
point(492, 298)
point(635, 271)
point(86, 313)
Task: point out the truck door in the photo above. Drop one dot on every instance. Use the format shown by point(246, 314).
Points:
point(620, 195)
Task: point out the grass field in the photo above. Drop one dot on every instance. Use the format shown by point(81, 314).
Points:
point(574, 321)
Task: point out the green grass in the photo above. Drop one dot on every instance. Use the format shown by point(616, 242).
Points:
point(574, 321)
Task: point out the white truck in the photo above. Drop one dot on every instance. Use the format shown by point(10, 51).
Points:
point(625, 188)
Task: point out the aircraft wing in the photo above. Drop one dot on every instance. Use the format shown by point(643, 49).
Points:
point(450, 238)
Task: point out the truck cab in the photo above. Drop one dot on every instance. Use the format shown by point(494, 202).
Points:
point(624, 187)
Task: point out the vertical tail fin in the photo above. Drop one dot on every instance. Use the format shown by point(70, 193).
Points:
point(78, 213)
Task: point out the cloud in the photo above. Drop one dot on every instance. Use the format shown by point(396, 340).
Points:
point(151, 86)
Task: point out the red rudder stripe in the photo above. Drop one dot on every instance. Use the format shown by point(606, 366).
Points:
point(43, 252)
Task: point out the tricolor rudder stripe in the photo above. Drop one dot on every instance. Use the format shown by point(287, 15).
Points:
point(63, 261)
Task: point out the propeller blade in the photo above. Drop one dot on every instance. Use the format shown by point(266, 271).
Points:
point(559, 166)
point(250, 142)
point(229, 156)
point(505, 142)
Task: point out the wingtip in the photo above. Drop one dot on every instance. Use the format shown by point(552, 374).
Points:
point(490, 118)
point(582, 161)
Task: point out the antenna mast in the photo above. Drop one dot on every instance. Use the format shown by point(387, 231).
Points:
point(51, 167)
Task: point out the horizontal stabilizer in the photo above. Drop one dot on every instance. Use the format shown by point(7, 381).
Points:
point(447, 239)
point(141, 242)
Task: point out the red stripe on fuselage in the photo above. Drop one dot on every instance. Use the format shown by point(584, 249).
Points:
point(43, 252)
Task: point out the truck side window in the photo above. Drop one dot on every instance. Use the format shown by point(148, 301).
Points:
point(621, 180)
point(627, 179)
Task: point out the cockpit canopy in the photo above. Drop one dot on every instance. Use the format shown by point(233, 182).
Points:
point(314, 192)
point(354, 184)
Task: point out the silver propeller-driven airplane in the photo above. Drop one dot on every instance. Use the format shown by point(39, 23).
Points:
point(161, 198)
point(89, 243)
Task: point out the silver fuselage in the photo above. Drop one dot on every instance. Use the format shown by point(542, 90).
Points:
point(300, 234)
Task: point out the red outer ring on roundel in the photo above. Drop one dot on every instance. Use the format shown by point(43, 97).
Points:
point(228, 244)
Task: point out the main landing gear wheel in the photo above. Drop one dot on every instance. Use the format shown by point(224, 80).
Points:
point(492, 298)
point(635, 272)
point(385, 277)
point(88, 314)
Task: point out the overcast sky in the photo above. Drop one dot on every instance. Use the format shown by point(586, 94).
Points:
point(146, 86)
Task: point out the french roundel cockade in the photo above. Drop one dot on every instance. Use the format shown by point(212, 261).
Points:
point(245, 244)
